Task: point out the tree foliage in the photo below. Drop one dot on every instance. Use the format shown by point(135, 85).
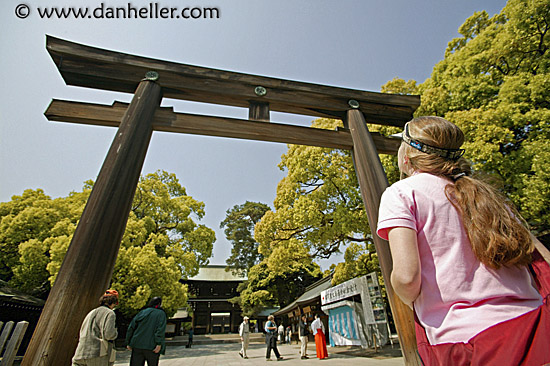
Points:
point(318, 207)
point(268, 287)
point(359, 260)
point(162, 242)
point(494, 83)
point(319, 210)
point(30, 225)
point(239, 225)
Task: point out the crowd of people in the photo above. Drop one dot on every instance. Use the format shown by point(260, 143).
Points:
point(145, 337)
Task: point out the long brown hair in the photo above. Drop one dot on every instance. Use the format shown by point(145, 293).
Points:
point(497, 233)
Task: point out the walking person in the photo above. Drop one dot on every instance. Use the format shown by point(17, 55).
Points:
point(146, 335)
point(461, 256)
point(271, 338)
point(244, 332)
point(288, 334)
point(281, 332)
point(320, 341)
point(303, 333)
point(97, 334)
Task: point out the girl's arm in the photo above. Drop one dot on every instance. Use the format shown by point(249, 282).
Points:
point(405, 276)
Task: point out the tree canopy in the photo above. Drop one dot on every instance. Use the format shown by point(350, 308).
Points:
point(267, 287)
point(239, 225)
point(162, 243)
point(318, 207)
point(318, 211)
point(494, 83)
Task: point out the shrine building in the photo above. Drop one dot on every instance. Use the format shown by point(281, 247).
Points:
point(209, 294)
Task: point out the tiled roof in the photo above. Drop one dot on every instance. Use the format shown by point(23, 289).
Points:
point(216, 273)
point(312, 292)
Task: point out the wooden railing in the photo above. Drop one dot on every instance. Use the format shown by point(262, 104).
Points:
point(12, 341)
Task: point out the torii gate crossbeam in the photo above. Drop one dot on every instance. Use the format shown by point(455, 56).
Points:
point(88, 265)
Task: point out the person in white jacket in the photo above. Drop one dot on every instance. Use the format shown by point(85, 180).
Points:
point(244, 332)
point(281, 332)
point(97, 333)
point(320, 342)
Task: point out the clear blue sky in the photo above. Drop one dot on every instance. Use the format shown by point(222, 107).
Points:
point(358, 44)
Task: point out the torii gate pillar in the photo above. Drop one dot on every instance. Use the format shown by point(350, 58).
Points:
point(373, 182)
point(93, 250)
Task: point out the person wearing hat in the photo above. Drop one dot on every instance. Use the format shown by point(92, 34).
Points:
point(244, 332)
point(97, 334)
point(145, 336)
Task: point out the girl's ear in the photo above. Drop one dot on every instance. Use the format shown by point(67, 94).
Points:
point(406, 166)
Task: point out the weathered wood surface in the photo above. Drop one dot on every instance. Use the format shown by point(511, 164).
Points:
point(169, 121)
point(4, 336)
point(10, 354)
point(544, 252)
point(258, 111)
point(373, 182)
point(88, 265)
point(108, 70)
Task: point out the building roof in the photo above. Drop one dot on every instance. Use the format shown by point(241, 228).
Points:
point(217, 273)
point(266, 312)
point(312, 292)
point(10, 295)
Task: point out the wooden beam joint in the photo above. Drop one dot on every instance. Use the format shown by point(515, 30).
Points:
point(258, 111)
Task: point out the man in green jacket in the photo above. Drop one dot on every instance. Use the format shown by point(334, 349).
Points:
point(145, 336)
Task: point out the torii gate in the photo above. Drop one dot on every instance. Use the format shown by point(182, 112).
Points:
point(89, 262)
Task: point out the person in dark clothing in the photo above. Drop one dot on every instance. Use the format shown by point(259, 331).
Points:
point(271, 338)
point(190, 342)
point(145, 336)
point(303, 333)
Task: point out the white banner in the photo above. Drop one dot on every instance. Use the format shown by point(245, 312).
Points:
point(341, 291)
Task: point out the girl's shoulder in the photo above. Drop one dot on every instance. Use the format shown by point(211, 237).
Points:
point(418, 181)
point(418, 186)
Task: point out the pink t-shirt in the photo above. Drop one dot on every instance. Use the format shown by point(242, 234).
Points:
point(459, 296)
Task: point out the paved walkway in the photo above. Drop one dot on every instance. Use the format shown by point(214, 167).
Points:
point(227, 354)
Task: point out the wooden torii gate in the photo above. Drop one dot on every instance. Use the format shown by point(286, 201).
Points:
point(86, 271)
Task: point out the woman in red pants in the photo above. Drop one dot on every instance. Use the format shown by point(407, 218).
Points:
point(320, 341)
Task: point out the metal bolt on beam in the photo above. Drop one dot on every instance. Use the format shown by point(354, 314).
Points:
point(260, 91)
point(151, 76)
point(353, 103)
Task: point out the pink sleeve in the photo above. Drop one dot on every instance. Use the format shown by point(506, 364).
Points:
point(397, 209)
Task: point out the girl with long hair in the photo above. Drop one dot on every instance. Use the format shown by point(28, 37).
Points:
point(461, 256)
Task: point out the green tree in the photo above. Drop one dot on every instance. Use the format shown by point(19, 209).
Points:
point(318, 208)
point(239, 230)
point(494, 83)
point(29, 224)
point(269, 286)
point(359, 260)
point(162, 242)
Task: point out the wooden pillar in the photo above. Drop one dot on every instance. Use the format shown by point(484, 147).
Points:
point(373, 182)
point(258, 111)
point(88, 265)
